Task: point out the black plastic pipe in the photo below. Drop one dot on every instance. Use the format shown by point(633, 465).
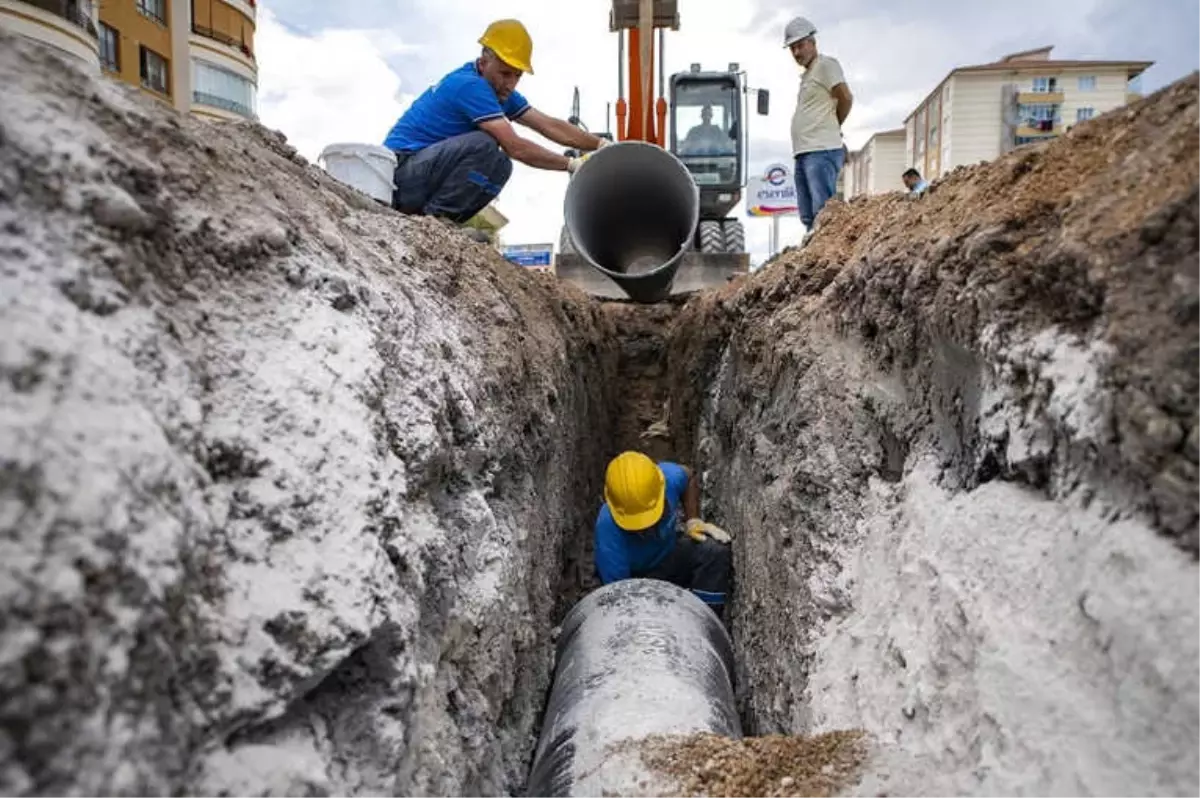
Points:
point(635, 657)
point(631, 211)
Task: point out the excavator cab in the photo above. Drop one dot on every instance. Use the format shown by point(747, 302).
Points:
point(701, 119)
point(708, 134)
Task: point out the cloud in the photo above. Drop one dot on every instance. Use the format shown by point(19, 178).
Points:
point(345, 71)
point(331, 86)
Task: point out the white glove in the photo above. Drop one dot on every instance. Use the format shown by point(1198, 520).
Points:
point(697, 530)
point(574, 164)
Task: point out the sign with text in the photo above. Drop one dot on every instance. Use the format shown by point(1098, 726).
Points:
point(773, 193)
point(529, 255)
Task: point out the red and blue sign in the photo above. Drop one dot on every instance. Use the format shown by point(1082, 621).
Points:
point(773, 193)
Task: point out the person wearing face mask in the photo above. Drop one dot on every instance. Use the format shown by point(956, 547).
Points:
point(822, 105)
point(456, 143)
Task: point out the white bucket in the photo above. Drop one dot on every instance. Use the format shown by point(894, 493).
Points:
point(367, 167)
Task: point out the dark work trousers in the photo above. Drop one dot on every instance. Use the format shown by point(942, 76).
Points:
point(454, 179)
point(702, 568)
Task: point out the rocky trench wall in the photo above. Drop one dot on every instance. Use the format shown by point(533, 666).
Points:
point(287, 481)
point(956, 442)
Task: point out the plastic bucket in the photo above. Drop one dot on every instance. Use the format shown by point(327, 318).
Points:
point(366, 167)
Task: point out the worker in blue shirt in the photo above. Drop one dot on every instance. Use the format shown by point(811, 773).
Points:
point(455, 145)
point(637, 530)
point(913, 181)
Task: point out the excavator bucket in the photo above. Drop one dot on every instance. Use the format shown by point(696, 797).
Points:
point(697, 271)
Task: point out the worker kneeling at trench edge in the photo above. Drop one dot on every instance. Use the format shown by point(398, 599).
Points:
point(455, 145)
point(637, 530)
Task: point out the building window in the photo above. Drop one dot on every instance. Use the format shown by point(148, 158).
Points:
point(220, 88)
point(1039, 116)
point(1045, 84)
point(153, 70)
point(110, 48)
point(1082, 114)
point(1087, 82)
point(155, 9)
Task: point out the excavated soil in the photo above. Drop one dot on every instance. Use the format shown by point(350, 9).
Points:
point(290, 483)
point(772, 765)
point(955, 439)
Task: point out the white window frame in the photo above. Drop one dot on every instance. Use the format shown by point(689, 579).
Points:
point(1086, 83)
point(1084, 114)
point(1044, 85)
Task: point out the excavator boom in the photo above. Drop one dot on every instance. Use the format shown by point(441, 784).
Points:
point(643, 116)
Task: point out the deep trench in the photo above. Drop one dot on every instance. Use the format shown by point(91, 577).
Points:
point(640, 419)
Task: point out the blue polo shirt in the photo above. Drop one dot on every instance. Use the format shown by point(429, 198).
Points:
point(619, 554)
point(454, 105)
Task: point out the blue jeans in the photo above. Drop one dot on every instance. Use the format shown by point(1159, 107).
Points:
point(455, 178)
point(816, 181)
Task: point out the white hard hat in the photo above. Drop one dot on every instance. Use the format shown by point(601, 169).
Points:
point(796, 30)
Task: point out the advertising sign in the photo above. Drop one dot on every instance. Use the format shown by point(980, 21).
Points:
point(530, 255)
point(772, 193)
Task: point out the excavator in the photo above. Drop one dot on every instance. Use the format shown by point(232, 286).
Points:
point(703, 124)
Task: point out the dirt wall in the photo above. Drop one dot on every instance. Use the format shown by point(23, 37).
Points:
point(289, 481)
point(955, 439)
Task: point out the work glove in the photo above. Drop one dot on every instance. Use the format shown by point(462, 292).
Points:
point(574, 164)
point(698, 530)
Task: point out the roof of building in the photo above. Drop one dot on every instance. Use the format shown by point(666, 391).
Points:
point(1035, 59)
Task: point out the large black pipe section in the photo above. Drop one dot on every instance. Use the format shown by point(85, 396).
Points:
point(634, 658)
point(631, 211)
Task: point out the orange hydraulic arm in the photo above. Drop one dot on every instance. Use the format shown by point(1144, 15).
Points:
point(644, 116)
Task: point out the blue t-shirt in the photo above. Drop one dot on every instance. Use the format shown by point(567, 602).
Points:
point(619, 553)
point(454, 105)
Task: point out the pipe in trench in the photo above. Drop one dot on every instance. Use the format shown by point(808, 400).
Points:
point(634, 658)
point(631, 211)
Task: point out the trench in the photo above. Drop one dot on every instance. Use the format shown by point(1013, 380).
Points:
point(802, 453)
point(652, 410)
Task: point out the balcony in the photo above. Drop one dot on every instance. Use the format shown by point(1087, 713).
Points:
point(76, 12)
point(223, 38)
point(1040, 97)
point(1038, 128)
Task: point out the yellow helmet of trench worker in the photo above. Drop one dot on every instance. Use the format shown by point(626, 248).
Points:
point(508, 39)
point(635, 490)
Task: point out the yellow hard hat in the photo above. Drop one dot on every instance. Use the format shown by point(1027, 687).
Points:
point(509, 40)
point(635, 490)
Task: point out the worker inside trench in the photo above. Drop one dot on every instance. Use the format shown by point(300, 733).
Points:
point(649, 653)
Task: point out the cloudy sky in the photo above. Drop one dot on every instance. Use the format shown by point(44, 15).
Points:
point(343, 71)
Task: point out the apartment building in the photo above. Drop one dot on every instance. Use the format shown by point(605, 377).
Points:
point(876, 168)
point(977, 113)
point(69, 26)
point(196, 55)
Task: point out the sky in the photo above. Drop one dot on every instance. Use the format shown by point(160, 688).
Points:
point(345, 71)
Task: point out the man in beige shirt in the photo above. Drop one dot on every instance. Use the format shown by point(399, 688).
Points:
point(821, 107)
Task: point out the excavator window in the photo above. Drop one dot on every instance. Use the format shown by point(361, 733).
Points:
point(704, 129)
